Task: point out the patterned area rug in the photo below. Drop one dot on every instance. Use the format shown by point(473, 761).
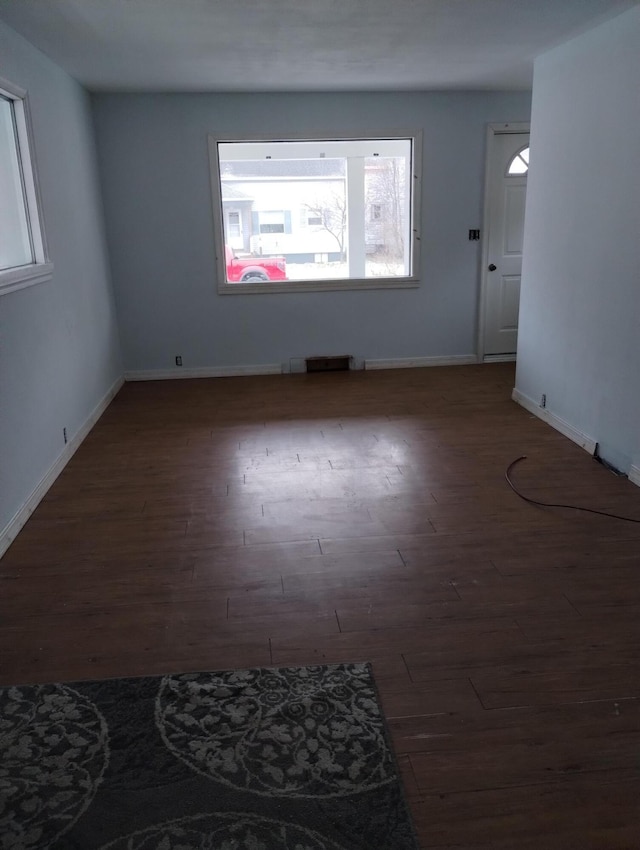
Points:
point(294, 758)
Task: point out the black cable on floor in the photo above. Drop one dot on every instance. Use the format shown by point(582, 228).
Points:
point(507, 475)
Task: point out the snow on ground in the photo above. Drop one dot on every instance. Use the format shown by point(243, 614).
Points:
point(333, 271)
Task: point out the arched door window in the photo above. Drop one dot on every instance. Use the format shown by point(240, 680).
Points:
point(519, 165)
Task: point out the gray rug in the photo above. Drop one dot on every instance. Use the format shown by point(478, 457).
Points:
point(294, 758)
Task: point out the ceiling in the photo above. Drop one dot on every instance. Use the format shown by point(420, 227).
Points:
point(293, 45)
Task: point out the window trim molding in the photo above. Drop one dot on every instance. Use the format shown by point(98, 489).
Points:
point(41, 270)
point(412, 281)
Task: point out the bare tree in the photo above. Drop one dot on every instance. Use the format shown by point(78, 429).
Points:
point(332, 214)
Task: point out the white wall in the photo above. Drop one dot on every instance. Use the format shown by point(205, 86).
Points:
point(59, 348)
point(579, 337)
point(154, 167)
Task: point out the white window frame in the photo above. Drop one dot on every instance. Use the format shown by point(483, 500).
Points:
point(405, 282)
point(41, 269)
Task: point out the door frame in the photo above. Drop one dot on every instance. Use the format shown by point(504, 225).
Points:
point(493, 130)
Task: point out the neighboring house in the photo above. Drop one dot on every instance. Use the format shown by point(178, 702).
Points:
point(297, 208)
point(294, 208)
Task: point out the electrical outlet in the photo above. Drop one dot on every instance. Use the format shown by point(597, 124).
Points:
point(178, 360)
point(64, 434)
point(543, 400)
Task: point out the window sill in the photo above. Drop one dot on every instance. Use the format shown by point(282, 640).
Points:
point(269, 287)
point(14, 279)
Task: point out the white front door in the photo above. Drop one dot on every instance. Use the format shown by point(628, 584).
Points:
point(508, 165)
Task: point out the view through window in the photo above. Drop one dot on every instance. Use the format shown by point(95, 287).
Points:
point(23, 252)
point(520, 163)
point(324, 210)
point(15, 237)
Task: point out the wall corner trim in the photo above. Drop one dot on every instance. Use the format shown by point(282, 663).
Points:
point(583, 440)
point(634, 475)
point(420, 362)
point(12, 529)
point(204, 372)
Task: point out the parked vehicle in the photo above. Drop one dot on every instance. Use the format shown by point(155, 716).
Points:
point(254, 269)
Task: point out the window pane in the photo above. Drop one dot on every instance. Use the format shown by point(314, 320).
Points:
point(386, 230)
point(15, 244)
point(518, 166)
point(520, 163)
point(234, 223)
point(317, 210)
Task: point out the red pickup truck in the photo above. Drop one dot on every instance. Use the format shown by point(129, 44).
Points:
point(254, 269)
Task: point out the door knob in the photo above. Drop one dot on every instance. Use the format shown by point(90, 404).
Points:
point(492, 267)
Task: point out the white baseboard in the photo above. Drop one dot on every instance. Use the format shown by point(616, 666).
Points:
point(293, 366)
point(634, 475)
point(583, 440)
point(499, 358)
point(204, 372)
point(419, 362)
point(12, 529)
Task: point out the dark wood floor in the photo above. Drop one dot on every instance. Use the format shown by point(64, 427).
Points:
point(363, 516)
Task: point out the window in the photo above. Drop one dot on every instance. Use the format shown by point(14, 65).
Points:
point(319, 214)
point(233, 224)
point(23, 256)
point(271, 222)
point(520, 163)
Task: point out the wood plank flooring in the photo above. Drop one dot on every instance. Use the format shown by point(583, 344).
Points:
point(299, 519)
